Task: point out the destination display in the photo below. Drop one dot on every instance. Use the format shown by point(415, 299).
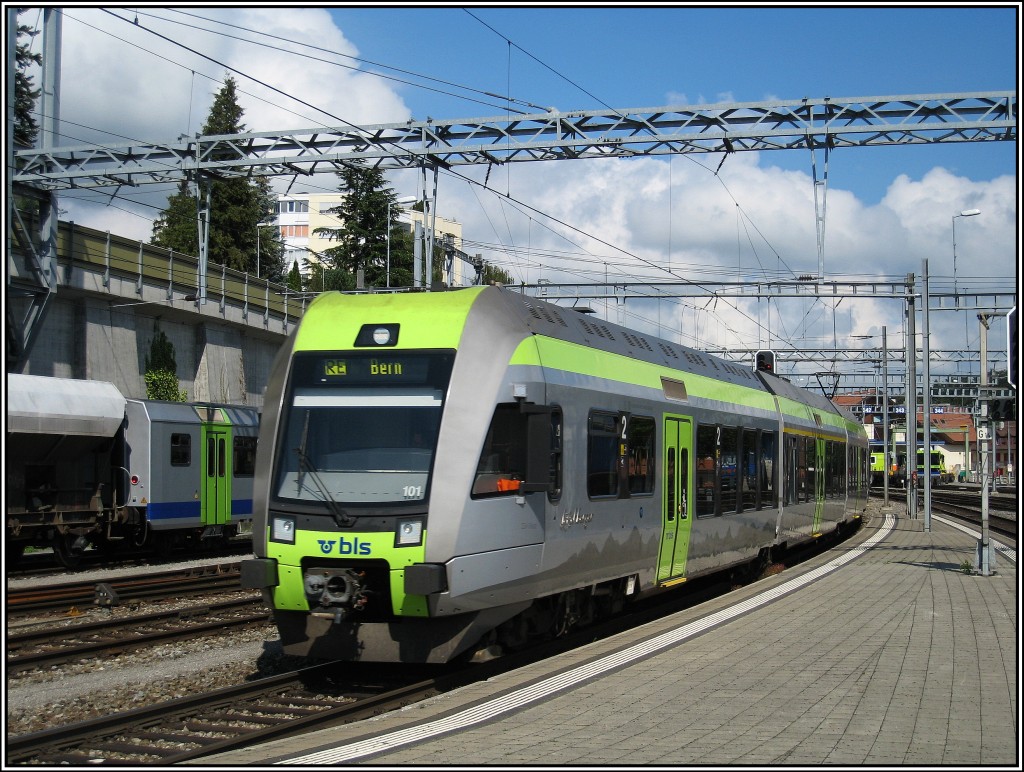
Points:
point(362, 369)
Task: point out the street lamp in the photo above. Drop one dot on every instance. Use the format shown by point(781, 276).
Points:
point(965, 213)
point(400, 201)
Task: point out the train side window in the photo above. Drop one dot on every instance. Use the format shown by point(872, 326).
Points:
point(640, 455)
point(603, 455)
point(243, 456)
point(502, 464)
point(768, 496)
point(728, 471)
point(790, 456)
point(181, 450)
point(805, 469)
point(707, 453)
point(748, 470)
point(835, 464)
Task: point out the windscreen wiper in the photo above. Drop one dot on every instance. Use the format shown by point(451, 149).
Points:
point(341, 517)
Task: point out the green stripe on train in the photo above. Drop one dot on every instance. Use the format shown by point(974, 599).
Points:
point(542, 351)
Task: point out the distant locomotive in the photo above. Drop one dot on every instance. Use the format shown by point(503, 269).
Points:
point(87, 466)
point(895, 465)
point(937, 474)
point(441, 474)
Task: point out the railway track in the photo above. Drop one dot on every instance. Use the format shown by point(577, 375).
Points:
point(55, 646)
point(164, 584)
point(191, 727)
point(966, 506)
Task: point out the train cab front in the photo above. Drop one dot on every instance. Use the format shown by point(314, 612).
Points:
point(347, 507)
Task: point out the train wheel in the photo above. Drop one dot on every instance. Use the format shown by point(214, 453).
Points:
point(69, 549)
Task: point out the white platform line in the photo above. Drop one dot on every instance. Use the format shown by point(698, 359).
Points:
point(1010, 552)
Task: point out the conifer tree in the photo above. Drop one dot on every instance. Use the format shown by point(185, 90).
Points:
point(236, 206)
point(26, 130)
point(294, 280)
point(362, 237)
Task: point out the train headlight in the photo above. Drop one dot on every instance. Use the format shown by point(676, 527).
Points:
point(409, 532)
point(282, 529)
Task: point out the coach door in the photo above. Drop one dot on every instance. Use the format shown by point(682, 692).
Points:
point(676, 501)
point(820, 480)
point(215, 430)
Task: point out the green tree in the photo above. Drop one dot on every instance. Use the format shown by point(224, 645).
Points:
point(403, 250)
point(161, 373)
point(176, 228)
point(493, 274)
point(26, 130)
point(294, 280)
point(362, 237)
point(237, 205)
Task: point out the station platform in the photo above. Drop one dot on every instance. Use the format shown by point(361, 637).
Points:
point(887, 650)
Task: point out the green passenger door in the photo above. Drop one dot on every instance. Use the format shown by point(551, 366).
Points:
point(677, 505)
point(215, 439)
point(820, 480)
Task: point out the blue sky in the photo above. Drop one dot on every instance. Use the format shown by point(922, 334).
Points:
point(889, 208)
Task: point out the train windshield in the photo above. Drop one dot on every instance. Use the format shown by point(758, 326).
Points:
point(361, 428)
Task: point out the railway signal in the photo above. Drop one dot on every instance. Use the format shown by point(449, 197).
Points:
point(1002, 409)
point(764, 360)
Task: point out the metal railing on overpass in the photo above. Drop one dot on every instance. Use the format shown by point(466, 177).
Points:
point(138, 273)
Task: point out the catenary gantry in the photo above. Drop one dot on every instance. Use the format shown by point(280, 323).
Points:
point(820, 123)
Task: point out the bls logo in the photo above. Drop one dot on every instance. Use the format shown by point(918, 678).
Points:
point(345, 547)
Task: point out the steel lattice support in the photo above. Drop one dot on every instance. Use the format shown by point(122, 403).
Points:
point(718, 128)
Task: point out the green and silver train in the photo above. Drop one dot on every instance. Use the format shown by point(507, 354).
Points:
point(450, 474)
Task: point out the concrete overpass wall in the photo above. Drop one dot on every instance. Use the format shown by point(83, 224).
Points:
point(114, 295)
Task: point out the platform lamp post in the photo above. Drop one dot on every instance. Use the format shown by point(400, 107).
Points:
point(886, 461)
point(404, 200)
point(953, 219)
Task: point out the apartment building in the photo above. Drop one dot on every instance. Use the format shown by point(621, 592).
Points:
point(299, 215)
